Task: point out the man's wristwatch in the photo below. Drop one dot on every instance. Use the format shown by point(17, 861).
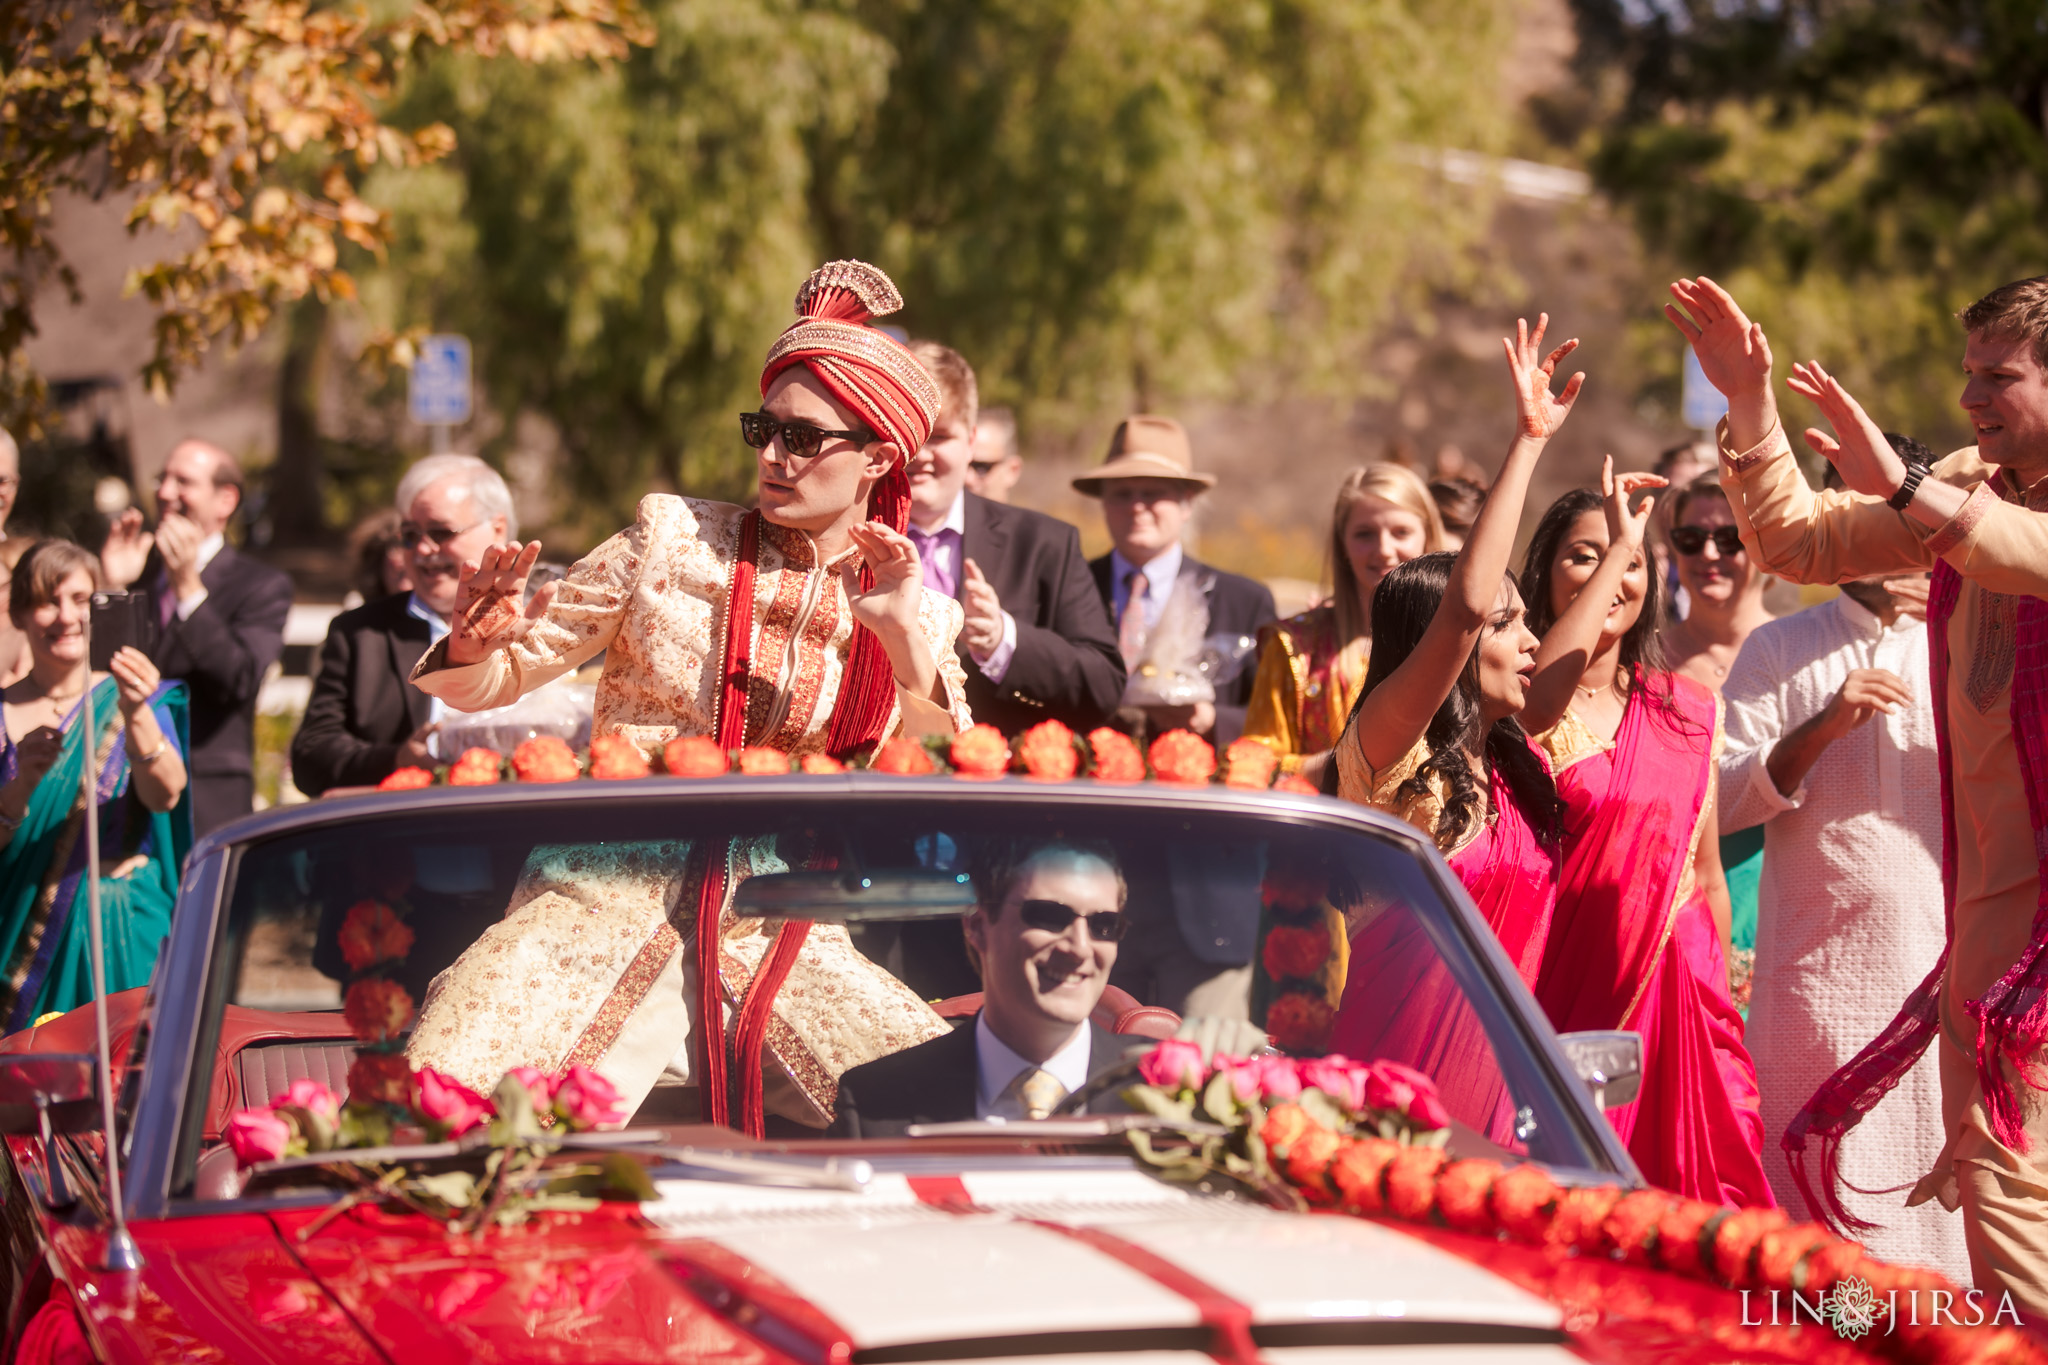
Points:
point(1915, 472)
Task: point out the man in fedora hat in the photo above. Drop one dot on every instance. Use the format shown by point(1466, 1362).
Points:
point(1148, 487)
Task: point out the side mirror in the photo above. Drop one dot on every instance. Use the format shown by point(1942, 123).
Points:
point(1610, 1062)
point(45, 1091)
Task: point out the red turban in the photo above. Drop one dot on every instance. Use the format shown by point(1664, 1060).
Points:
point(866, 369)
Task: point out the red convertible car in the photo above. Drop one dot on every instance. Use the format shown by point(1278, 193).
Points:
point(955, 1242)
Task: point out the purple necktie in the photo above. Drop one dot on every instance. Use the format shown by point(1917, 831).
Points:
point(166, 603)
point(939, 574)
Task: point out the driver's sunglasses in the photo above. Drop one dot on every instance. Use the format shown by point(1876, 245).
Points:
point(1056, 917)
point(1690, 540)
point(800, 439)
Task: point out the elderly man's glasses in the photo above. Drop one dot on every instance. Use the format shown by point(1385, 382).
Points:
point(983, 468)
point(800, 439)
point(1055, 917)
point(440, 537)
point(1690, 540)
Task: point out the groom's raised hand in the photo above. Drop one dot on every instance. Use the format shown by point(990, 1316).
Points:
point(1733, 353)
point(490, 602)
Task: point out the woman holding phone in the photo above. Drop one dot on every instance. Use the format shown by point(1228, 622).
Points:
point(145, 827)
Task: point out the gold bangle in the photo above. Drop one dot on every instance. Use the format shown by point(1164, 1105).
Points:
point(151, 758)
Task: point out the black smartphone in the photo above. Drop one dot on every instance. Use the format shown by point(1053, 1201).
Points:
point(121, 618)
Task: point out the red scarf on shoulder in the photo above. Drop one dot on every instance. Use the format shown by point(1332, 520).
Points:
point(2012, 1016)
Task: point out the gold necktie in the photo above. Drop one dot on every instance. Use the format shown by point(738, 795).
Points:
point(1037, 1092)
point(1130, 628)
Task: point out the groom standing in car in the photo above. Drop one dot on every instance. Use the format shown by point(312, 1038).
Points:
point(1045, 933)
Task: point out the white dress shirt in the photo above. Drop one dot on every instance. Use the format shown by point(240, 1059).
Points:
point(208, 548)
point(996, 1066)
point(437, 626)
point(1160, 576)
point(1849, 907)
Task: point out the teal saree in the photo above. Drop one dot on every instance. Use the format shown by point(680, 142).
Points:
point(45, 944)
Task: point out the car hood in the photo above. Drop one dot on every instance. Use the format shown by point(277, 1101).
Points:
point(969, 1265)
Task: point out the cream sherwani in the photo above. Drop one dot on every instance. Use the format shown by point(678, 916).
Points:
point(591, 963)
point(1850, 905)
point(2000, 547)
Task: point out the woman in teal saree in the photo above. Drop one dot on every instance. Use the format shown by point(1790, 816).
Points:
point(137, 757)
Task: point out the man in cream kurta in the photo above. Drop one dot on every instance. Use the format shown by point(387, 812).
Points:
point(596, 959)
point(1997, 540)
point(1850, 905)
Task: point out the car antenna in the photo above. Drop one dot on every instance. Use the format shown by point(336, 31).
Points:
point(122, 1252)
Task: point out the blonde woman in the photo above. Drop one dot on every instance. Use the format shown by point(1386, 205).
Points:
point(1312, 666)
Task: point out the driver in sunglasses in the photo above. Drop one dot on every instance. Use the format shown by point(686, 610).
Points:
point(1045, 936)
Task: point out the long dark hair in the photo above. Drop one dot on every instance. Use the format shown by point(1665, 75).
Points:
point(1642, 655)
point(1402, 608)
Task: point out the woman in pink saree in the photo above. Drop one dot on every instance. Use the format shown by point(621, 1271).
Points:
point(1433, 739)
point(1638, 940)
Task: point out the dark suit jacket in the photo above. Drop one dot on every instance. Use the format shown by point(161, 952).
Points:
point(222, 653)
point(1237, 606)
point(364, 705)
point(937, 1082)
point(1066, 666)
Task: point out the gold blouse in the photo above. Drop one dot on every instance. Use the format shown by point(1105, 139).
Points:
point(1300, 702)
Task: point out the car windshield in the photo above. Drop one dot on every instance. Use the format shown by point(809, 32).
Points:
point(887, 878)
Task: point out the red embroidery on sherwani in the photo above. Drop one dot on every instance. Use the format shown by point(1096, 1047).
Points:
point(813, 651)
point(1957, 528)
point(777, 623)
point(634, 983)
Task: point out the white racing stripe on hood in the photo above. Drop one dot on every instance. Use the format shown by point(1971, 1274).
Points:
point(957, 1278)
point(1321, 1268)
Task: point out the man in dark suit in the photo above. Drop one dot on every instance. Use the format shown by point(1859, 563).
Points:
point(1035, 643)
point(1148, 487)
point(1045, 932)
point(220, 617)
point(365, 718)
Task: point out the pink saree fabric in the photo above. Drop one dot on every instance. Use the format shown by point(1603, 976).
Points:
point(1622, 955)
point(1401, 1002)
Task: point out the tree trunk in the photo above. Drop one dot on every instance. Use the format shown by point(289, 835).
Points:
point(296, 515)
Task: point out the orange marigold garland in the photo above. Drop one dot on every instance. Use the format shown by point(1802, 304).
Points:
point(379, 1078)
point(693, 756)
point(980, 751)
point(1295, 950)
point(1049, 751)
point(372, 933)
point(1116, 757)
point(406, 780)
point(476, 768)
point(545, 758)
point(904, 757)
point(762, 760)
point(614, 757)
point(819, 765)
point(1183, 757)
point(1295, 953)
point(1250, 764)
point(377, 1009)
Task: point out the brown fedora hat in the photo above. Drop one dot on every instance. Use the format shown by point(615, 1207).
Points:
point(1146, 448)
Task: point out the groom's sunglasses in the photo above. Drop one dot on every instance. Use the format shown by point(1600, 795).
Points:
point(1104, 926)
point(800, 439)
point(1690, 540)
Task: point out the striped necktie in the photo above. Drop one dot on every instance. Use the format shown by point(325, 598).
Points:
point(1130, 628)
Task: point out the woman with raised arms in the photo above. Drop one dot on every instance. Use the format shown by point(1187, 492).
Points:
point(1434, 740)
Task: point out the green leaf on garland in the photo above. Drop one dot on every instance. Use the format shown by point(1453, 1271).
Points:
point(1219, 1101)
point(456, 1189)
point(626, 1178)
point(1322, 1109)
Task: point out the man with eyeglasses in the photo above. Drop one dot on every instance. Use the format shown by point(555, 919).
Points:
point(220, 617)
point(365, 718)
point(1044, 934)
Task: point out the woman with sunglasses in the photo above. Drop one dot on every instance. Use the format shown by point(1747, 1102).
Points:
point(802, 625)
point(1638, 936)
point(1724, 592)
point(1434, 740)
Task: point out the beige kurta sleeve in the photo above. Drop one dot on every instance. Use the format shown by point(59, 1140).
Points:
point(581, 620)
point(921, 717)
point(1831, 537)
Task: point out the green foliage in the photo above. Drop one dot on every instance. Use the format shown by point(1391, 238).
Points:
point(1855, 171)
point(1097, 202)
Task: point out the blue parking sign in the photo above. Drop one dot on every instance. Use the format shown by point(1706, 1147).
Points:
point(440, 381)
point(1703, 404)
